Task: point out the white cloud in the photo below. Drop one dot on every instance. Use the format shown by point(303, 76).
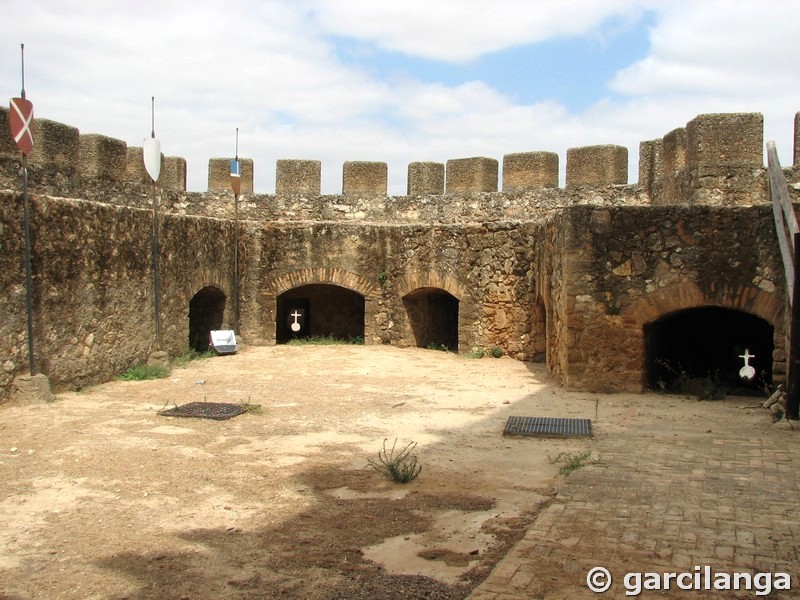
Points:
point(461, 30)
point(272, 69)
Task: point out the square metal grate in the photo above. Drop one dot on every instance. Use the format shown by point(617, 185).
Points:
point(548, 427)
point(218, 411)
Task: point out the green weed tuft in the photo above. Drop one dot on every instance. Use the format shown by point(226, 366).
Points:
point(144, 372)
point(401, 467)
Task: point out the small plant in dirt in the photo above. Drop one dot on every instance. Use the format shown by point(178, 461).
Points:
point(400, 467)
point(571, 461)
point(253, 409)
point(144, 372)
point(191, 355)
point(435, 346)
point(478, 352)
point(496, 352)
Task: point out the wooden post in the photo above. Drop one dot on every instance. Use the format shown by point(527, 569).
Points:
point(793, 388)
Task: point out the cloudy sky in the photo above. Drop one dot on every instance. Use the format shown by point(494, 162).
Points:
point(400, 80)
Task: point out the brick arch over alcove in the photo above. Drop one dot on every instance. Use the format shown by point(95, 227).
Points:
point(468, 314)
point(206, 280)
point(324, 275)
point(669, 299)
point(431, 279)
point(687, 295)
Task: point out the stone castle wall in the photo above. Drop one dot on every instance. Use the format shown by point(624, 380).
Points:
point(568, 275)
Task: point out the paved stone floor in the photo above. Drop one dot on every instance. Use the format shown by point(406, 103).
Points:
point(720, 490)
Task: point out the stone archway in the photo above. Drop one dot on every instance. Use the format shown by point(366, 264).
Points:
point(767, 307)
point(319, 310)
point(706, 344)
point(206, 312)
point(433, 315)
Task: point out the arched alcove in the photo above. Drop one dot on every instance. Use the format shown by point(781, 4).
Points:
point(319, 310)
point(206, 310)
point(433, 315)
point(706, 343)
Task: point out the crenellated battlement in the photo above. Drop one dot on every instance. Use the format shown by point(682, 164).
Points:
point(480, 252)
point(715, 159)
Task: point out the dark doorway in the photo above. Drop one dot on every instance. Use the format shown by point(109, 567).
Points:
point(206, 309)
point(706, 343)
point(433, 314)
point(320, 310)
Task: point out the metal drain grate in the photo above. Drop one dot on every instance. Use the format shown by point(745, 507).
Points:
point(205, 410)
point(548, 427)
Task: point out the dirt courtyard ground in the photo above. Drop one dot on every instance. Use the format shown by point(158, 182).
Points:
point(104, 498)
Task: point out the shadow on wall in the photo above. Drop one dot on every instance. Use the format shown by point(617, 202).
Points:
point(206, 311)
point(433, 315)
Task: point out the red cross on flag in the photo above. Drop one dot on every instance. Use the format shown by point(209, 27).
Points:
point(20, 117)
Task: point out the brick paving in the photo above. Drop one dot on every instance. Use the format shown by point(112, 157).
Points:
point(722, 490)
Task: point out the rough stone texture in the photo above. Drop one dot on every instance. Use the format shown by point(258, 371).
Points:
point(219, 175)
point(670, 258)
point(425, 178)
point(134, 166)
point(102, 157)
point(674, 158)
point(31, 389)
point(530, 170)
point(571, 275)
point(796, 138)
point(651, 162)
point(597, 165)
point(56, 145)
point(173, 173)
point(477, 174)
point(714, 140)
point(7, 146)
point(363, 177)
point(299, 177)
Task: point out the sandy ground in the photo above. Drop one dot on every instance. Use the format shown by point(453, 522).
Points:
point(103, 497)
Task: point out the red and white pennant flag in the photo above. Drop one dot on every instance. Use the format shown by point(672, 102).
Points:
point(20, 117)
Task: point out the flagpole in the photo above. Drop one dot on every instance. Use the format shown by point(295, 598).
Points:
point(26, 218)
point(155, 236)
point(28, 277)
point(236, 244)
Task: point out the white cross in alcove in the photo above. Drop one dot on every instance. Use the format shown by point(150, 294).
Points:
point(296, 314)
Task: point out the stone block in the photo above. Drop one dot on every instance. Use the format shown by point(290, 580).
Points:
point(597, 165)
point(425, 178)
point(173, 170)
point(361, 177)
point(477, 174)
point(219, 175)
point(134, 166)
point(651, 162)
point(55, 145)
point(31, 389)
point(298, 177)
point(173, 173)
point(103, 157)
point(530, 170)
point(674, 151)
point(7, 145)
point(730, 139)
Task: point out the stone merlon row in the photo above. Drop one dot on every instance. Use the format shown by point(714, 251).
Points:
point(711, 140)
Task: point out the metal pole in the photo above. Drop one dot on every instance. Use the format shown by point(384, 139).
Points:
point(28, 277)
point(236, 262)
point(793, 391)
point(155, 269)
point(236, 242)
